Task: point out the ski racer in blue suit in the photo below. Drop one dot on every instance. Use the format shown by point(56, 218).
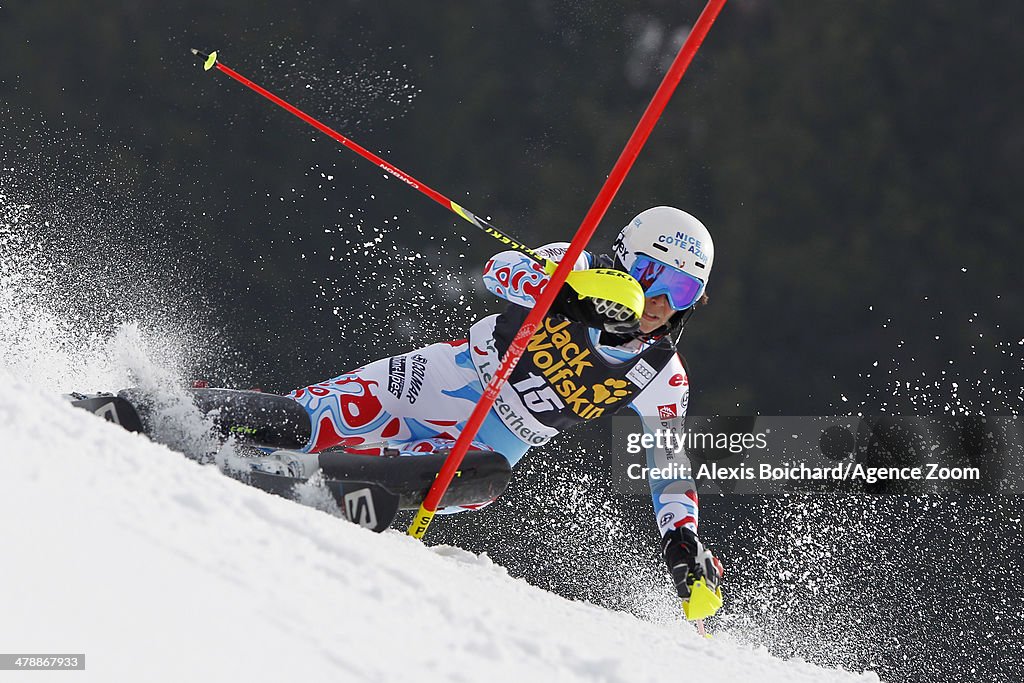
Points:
point(586, 361)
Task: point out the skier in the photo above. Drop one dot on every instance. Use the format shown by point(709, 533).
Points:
point(589, 358)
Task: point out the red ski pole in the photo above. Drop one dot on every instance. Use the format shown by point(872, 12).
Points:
point(586, 230)
point(211, 61)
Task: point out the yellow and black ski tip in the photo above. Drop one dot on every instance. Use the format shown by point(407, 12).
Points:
point(211, 58)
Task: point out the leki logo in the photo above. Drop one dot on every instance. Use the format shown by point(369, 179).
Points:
point(667, 412)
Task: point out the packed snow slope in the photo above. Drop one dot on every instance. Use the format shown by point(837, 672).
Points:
point(163, 570)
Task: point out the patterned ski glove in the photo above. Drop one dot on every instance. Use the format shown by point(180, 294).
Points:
point(696, 572)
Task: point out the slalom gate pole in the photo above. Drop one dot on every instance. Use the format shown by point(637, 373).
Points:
point(662, 95)
point(211, 61)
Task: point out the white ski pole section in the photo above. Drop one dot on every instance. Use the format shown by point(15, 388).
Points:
point(161, 570)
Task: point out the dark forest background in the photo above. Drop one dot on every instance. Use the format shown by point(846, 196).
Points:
point(859, 165)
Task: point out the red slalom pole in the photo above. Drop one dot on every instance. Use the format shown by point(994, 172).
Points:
point(586, 230)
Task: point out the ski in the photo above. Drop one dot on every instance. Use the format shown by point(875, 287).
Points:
point(247, 416)
point(369, 490)
point(366, 503)
point(110, 407)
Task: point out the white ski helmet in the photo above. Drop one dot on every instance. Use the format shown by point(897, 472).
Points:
point(665, 236)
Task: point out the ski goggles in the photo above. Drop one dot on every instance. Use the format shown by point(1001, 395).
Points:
point(656, 278)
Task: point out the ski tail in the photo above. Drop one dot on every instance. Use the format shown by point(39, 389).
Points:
point(111, 408)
